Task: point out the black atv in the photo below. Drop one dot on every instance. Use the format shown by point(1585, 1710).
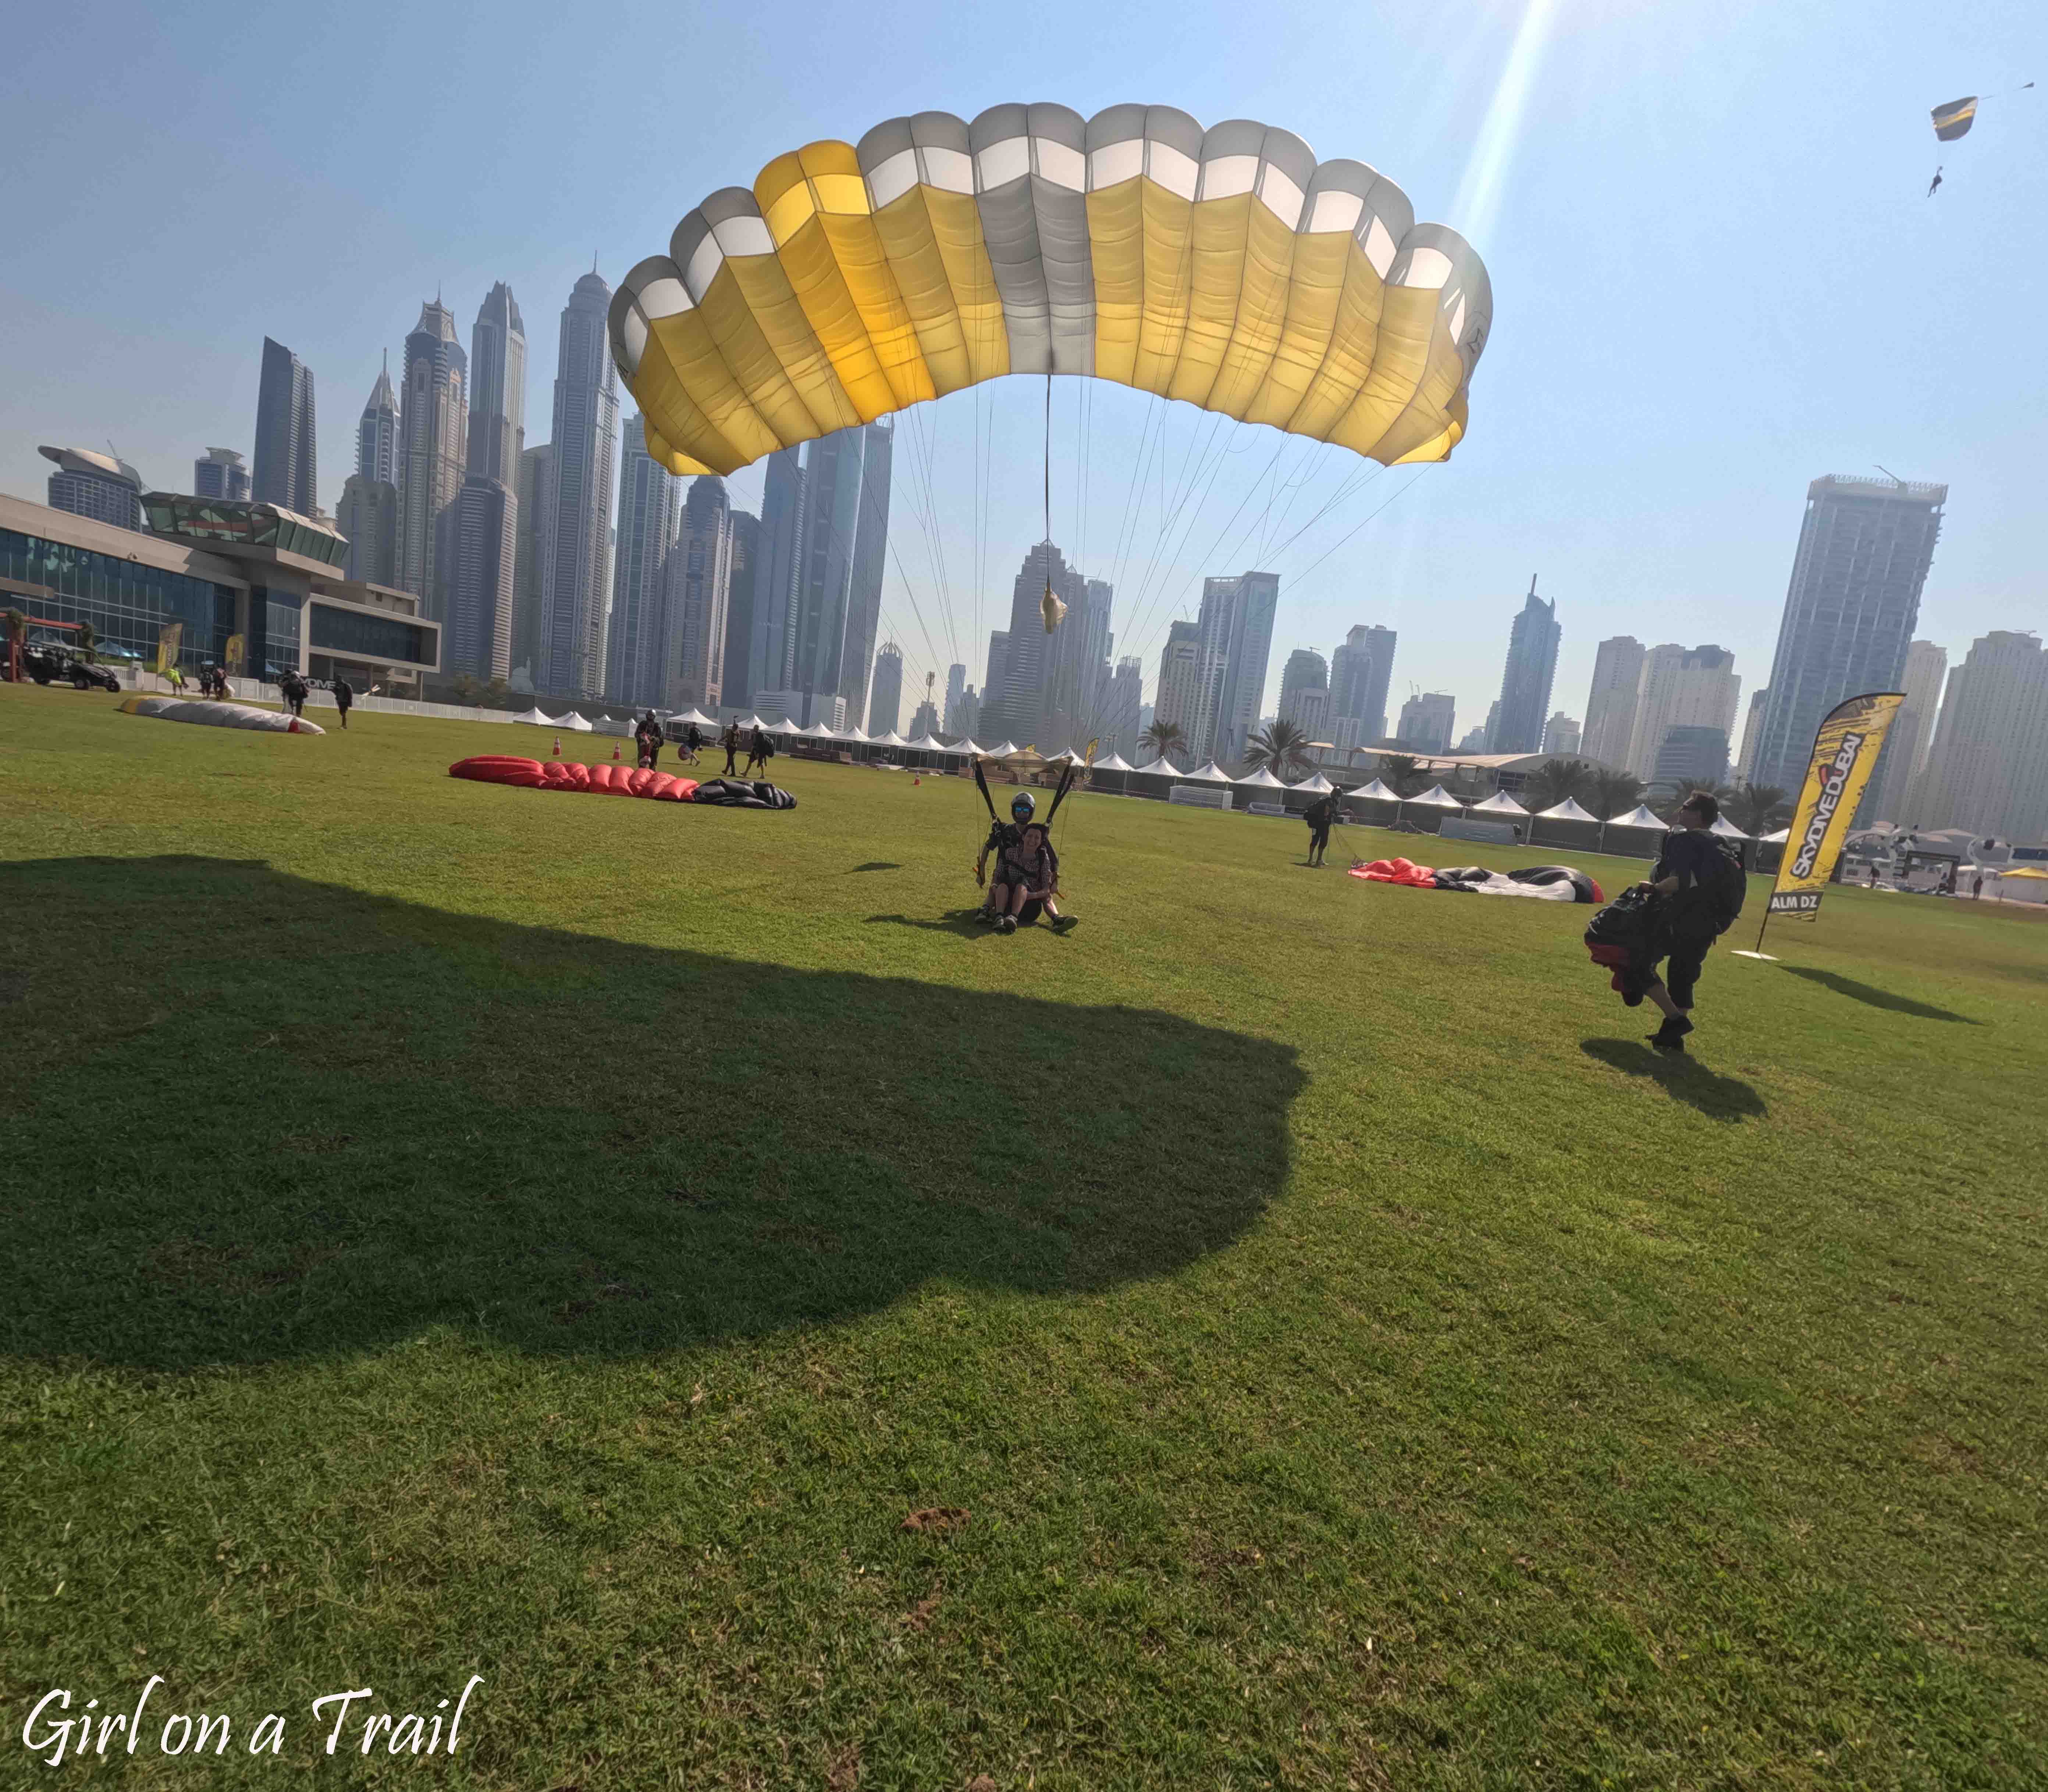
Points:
point(46, 662)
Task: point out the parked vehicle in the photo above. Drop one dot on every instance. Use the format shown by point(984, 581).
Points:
point(46, 661)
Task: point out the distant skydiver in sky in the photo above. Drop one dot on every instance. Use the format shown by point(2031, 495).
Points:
point(1934, 183)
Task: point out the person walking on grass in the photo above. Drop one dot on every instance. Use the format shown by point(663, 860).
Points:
point(1700, 885)
point(1319, 816)
point(730, 741)
point(758, 750)
point(344, 695)
point(693, 742)
point(293, 689)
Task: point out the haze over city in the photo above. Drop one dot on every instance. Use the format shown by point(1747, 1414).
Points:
point(1688, 343)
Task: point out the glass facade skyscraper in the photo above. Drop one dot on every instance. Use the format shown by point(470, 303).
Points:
point(286, 473)
point(1865, 546)
point(578, 564)
point(1525, 682)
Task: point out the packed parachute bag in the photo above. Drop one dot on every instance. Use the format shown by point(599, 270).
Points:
point(1620, 938)
point(740, 792)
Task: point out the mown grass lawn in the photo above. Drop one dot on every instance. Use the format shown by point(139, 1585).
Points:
point(458, 1230)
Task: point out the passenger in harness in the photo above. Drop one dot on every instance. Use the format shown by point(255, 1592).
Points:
point(1025, 880)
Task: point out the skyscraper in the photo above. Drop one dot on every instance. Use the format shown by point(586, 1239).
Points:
point(1236, 630)
point(1181, 696)
point(1891, 790)
point(481, 579)
point(1525, 682)
point(825, 530)
point(700, 580)
point(1561, 736)
point(1610, 703)
point(537, 520)
point(1682, 688)
point(578, 559)
point(1304, 672)
point(1077, 665)
point(1753, 737)
point(1121, 708)
point(94, 485)
point(1987, 769)
point(433, 444)
point(220, 474)
point(637, 643)
point(368, 518)
point(287, 467)
point(1426, 722)
point(1360, 672)
point(378, 443)
point(1015, 705)
point(956, 689)
point(885, 702)
point(1865, 546)
point(736, 688)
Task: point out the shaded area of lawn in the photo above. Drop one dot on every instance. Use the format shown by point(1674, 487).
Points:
point(364, 1118)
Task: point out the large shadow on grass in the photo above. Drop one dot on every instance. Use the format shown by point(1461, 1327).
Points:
point(1876, 997)
point(1681, 1077)
point(250, 1118)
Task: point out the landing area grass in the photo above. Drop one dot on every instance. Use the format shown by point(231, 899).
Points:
point(1286, 1333)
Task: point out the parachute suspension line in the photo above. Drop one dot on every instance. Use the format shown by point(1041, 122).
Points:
point(1353, 530)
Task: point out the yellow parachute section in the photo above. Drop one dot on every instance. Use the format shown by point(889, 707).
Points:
point(1224, 267)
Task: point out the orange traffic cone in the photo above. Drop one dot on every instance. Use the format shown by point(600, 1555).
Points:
point(558, 746)
point(614, 752)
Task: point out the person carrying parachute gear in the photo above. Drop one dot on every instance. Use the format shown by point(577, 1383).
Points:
point(1699, 885)
point(1026, 882)
point(1319, 815)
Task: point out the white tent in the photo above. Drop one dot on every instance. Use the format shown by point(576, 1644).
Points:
point(1262, 779)
point(817, 730)
point(924, 744)
point(538, 717)
point(611, 725)
point(892, 738)
point(1436, 796)
point(1114, 763)
point(693, 714)
point(1161, 767)
point(1499, 802)
point(1210, 774)
point(855, 733)
point(750, 722)
point(1001, 752)
point(1376, 791)
point(1568, 810)
point(576, 724)
point(1642, 816)
point(1727, 829)
point(1317, 786)
point(1777, 839)
point(964, 747)
point(788, 725)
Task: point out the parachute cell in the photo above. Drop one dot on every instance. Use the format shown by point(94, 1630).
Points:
point(1224, 267)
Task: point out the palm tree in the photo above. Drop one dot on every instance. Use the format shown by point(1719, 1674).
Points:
point(1281, 748)
point(1754, 807)
point(1163, 738)
point(464, 687)
point(1615, 793)
point(1401, 773)
point(1556, 780)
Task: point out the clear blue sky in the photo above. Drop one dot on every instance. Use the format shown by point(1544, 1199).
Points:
point(1715, 275)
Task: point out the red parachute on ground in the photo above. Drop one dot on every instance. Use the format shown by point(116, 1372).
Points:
point(1548, 883)
point(555, 775)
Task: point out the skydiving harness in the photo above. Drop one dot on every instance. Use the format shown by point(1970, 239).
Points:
point(1005, 837)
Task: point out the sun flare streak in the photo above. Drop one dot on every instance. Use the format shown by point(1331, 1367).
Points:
point(1487, 174)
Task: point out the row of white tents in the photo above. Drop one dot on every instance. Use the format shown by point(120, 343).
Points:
point(1498, 807)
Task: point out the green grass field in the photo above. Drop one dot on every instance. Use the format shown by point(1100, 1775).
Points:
point(458, 1230)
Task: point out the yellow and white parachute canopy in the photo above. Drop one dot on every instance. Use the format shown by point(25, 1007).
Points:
point(1226, 267)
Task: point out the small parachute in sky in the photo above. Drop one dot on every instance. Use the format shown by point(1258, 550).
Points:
point(1954, 119)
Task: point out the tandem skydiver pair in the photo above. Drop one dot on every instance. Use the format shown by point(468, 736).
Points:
point(1026, 882)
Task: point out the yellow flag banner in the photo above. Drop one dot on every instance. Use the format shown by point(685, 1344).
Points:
point(1844, 754)
point(169, 638)
point(235, 654)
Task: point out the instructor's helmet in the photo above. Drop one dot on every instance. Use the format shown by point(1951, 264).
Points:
point(1020, 806)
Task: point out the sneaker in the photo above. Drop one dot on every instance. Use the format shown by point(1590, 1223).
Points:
point(1009, 923)
point(1671, 1036)
point(984, 918)
point(1066, 923)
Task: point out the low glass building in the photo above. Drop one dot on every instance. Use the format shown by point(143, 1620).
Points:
point(256, 588)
